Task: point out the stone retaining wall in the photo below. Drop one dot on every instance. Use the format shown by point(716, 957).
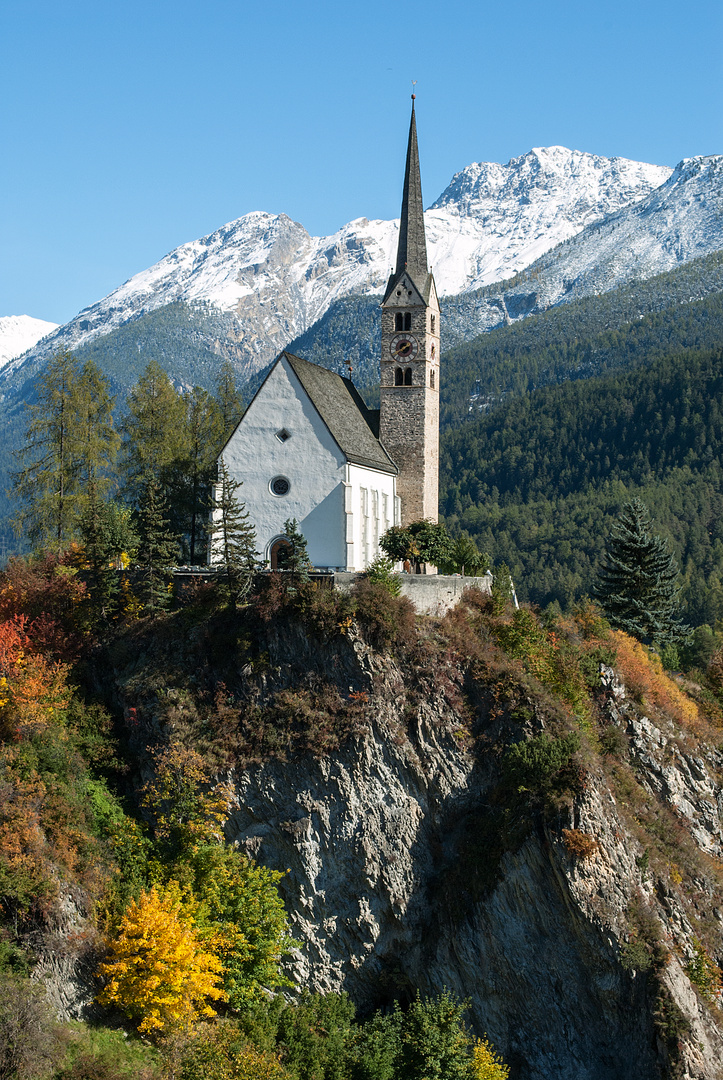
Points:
point(431, 594)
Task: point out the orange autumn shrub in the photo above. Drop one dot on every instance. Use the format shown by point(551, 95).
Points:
point(33, 690)
point(26, 878)
point(643, 675)
point(580, 844)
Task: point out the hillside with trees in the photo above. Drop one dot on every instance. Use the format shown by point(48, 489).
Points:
point(537, 481)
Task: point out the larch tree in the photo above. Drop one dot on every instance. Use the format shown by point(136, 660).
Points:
point(638, 580)
point(96, 439)
point(70, 447)
point(196, 470)
point(153, 431)
point(229, 400)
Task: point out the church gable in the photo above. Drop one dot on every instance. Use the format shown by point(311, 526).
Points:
point(402, 290)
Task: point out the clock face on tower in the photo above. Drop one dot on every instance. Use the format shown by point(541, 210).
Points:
point(403, 347)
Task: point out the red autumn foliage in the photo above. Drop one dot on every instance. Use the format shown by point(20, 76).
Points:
point(50, 594)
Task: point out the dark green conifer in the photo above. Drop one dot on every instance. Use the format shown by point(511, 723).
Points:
point(637, 583)
point(107, 535)
point(234, 536)
point(294, 557)
point(158, 548)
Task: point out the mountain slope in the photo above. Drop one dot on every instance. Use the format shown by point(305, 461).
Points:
point(539, 479)
point(18, 333)
point(276, 280)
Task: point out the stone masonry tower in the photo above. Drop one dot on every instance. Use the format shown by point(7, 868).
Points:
point(409, 420)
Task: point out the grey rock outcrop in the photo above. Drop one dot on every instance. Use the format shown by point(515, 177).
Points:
point(376, 841)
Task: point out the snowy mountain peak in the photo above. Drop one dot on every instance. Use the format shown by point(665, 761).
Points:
point(18, 333)
point(273, 280)
point(572, 176)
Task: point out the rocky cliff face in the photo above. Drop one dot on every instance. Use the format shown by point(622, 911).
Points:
point(395, 880)
point(573, 924)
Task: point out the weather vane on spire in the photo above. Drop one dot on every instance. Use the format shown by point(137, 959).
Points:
point(414, 83)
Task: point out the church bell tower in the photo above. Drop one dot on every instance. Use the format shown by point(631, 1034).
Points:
point(409, 418)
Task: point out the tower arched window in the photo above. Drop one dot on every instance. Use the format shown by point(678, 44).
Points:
point(431, 378)
point(408, 377)
point(398, 377)
point(434, 321)
point(407, 320)
point(399, 321)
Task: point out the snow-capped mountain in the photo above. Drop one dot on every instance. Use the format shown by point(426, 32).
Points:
point(494, 220)
point(18, 333)
point(679, 221)
point(275, 280)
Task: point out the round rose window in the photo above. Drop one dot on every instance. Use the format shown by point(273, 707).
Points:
point(280, 485)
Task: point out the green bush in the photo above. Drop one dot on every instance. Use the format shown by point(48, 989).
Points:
point(381, 572)
point(542, 766)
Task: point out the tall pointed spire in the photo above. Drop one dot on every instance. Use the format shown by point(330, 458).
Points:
point(412, 249)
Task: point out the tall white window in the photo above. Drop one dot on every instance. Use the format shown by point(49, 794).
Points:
point(375, 523)
point(385, 512)
point(364, 493)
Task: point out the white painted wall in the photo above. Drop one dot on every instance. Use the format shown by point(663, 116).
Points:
point(371, 510)
point(309, 459)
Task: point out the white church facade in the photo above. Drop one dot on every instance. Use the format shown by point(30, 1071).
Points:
point(308, 448)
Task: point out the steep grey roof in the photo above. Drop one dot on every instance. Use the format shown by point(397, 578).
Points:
point(340, 406)
point(412, 247)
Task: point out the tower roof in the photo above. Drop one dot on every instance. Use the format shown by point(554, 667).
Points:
point(412, 249)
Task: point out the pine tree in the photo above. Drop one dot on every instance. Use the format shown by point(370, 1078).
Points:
point(638, 578)
point(294, 557)
point(158, 547)
point(234, 536)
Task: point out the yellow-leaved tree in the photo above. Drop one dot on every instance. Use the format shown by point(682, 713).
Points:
point(158, 972)
point(486, 1064)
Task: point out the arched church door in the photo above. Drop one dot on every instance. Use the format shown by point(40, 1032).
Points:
point(277, 553)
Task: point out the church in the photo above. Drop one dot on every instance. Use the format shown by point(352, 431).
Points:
point(307, 446)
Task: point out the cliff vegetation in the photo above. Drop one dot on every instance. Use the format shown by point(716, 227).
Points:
point(313, 836)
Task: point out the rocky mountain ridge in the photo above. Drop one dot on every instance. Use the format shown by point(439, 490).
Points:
point(276, 280)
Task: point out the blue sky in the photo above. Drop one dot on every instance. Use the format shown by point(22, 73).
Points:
point(129, 128)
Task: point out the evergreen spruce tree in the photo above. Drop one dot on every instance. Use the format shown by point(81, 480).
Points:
point(294, 557)
point(107, 535)
point(234, 537)
point(637, 583)
point(158, 548)
point(228, 399)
